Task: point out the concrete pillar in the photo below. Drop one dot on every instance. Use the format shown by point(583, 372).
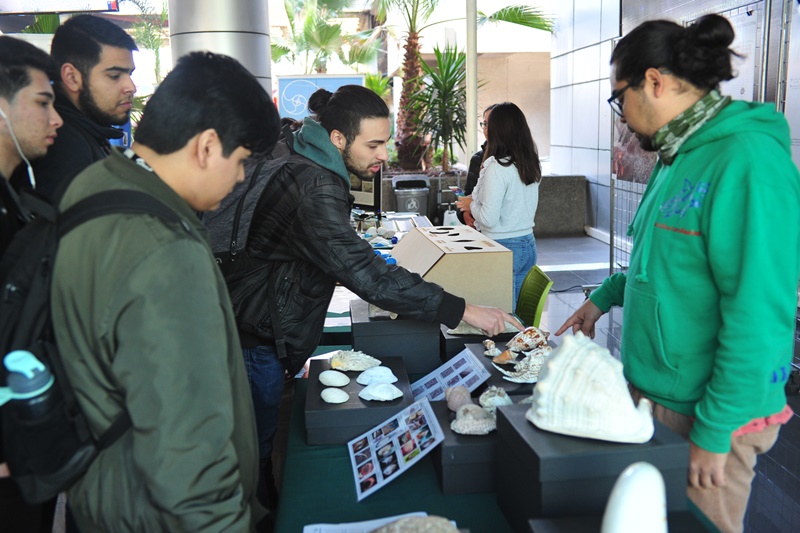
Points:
point(238, 28)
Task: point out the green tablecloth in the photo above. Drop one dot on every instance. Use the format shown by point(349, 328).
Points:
point(318, 486)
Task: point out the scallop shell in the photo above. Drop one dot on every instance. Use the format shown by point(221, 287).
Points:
point(333, 378)
point(528, 339)
point(376, 374)
point(473, 419)
point(493, 397)
point(334, 395)
point(505, 357)
point(582, 392)
point(382, 392)
point(456, 397)
point(352, 360)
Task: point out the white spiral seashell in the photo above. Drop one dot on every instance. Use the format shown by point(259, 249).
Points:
point(333, 395)
point(376, 374)
point(333, 378)
point(528, 339)
point(382, 392)
point(456, 397)
point(493, 397)
point(582, 392)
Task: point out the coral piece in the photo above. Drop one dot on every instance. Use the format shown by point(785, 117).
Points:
point(419, 524)
point(376, 374)
point(352, 360)
point(582, 392)
point(456, 397)
point(333, 378)
point(334, 395)
point(528, 339)
point(382, 392)
point(527, 369)
point(493, 397)
point(505, 357)
point(473, 419)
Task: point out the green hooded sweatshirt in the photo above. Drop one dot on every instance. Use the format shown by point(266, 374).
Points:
point(709, 296)
point(314, 142)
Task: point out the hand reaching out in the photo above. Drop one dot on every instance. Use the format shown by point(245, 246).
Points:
point(582, 320)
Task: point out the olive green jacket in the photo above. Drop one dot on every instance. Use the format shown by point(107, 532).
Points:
point(144, 323)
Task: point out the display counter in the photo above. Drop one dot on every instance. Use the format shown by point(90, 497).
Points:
point(318, 487)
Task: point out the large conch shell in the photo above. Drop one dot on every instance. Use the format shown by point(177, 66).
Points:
point(473, 419)
point(582, 392)
point(352, 360)
point(382, 392)
point(494, 397)
point(528, 339)
point(527, 369)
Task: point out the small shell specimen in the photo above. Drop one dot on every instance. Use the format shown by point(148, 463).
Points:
point(376, 374)
point(419, 524)
point(352, 360)
point(382, 392)
point(488, 344)
point(528, 339)
point(492, 352)
point(582, 392)
point(505, 357)
point(473, 419)
point(526, 370)
point(493, 397)
point(456, 397)
point(333, 378)
point(333, 395)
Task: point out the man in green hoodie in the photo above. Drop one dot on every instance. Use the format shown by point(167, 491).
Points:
point(709, 296)
point(303, 244)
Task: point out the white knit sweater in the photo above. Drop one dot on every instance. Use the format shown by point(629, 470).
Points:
point(502, 205)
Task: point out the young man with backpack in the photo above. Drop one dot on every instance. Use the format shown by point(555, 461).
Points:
point(28, 124)
point(143, 320)
point(301, 244)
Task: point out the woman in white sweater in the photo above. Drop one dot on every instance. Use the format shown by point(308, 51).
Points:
point(504, 201)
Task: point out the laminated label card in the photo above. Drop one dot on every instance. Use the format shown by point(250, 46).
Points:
point(383, 453)
point(463, 369)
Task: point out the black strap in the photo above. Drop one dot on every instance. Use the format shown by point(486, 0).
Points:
point(118, 201)
point(240, 207)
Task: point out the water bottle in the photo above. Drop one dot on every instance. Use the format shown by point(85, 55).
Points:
point(31, 385)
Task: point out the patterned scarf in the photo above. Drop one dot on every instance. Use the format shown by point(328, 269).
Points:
point(670, 137)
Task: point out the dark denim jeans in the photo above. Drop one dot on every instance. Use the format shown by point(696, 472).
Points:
point(265, 373)
point(524, 253)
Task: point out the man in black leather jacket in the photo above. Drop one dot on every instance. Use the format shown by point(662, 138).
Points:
point(93, 93)
point(303, 241)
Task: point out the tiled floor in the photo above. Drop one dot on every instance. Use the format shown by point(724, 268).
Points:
point(577, 261)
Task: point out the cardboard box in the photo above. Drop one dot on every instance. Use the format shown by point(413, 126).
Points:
point(539, 473)
point(463, 261)
point(452, 345)
point(416, 342)
point(328, 423)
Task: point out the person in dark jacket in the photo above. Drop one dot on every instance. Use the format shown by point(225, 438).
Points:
point(94, 91)
point(28, 124)
point(474, 169)
point(303, 244)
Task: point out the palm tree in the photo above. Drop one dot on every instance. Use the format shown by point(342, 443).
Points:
point(415, 13)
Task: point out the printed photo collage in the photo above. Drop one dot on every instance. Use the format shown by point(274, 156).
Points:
point(383, 453)
point(463, 369)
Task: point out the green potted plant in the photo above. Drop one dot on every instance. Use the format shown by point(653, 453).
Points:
point(440, 102)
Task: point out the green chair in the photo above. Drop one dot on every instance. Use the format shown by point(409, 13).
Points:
point(532, 296)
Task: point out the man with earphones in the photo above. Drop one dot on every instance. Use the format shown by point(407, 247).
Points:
point(28, 124)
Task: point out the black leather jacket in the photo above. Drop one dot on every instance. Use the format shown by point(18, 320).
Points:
point(301, 234)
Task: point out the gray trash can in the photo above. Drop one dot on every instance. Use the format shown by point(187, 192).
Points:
point(411, 193)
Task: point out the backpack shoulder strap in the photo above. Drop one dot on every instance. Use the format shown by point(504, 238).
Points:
point(118, 201)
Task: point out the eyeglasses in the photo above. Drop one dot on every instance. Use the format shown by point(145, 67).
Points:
point(482, 123)
point(615, 102)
